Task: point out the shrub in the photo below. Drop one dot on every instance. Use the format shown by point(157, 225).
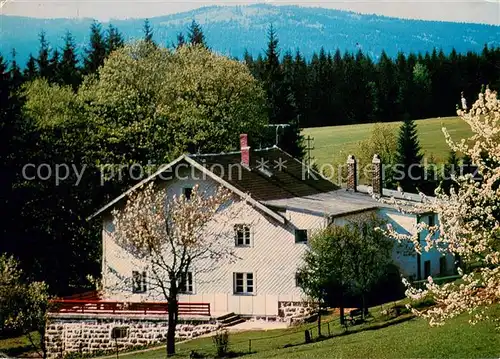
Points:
point(425, 302)
point(221, 342)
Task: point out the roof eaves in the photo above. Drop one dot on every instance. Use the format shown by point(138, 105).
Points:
point(304, 165)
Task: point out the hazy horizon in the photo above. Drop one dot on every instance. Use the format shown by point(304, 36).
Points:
point(473, 11)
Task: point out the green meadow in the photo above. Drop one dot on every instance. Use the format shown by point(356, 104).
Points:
point(334, 144)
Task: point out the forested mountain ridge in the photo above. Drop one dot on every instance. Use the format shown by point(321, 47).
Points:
point(232, 29)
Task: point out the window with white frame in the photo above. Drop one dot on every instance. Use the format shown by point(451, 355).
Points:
point(139, 282)
point(186, 283)
point(242, 235)
point(243, 283)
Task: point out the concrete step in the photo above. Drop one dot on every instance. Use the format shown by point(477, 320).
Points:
point(225, 316)
point(235, 321)
point(230, 319)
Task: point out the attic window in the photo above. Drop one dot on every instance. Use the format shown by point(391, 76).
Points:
point(301, 236)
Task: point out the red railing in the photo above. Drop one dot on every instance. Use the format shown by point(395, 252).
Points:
point(108, 307)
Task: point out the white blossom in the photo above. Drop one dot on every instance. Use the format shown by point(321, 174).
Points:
point(469, 223)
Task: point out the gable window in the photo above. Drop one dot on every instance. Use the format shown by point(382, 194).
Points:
point(243, 283)
point(139, 282)
point(187, 192)
point(431, 220)
point(242, 235)
point(186, 284)
point(301, 236)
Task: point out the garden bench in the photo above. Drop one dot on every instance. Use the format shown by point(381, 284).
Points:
point(356, 316)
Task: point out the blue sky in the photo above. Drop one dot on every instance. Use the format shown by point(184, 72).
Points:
point(481, 11)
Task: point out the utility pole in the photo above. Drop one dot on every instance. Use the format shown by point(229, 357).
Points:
point(309, 139)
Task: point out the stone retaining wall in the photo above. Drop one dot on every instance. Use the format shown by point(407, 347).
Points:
point(295, 312)
point(87, 334)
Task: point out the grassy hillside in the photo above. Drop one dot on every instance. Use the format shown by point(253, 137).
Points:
point(334, 144)
point(410, 339)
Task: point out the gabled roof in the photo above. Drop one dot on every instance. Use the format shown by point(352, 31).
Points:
point(275, 180)
point(272, 174)
point(255, 183)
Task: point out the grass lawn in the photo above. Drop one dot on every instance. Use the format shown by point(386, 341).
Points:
point(410, 339)
point(18, 345)
point(334, 144)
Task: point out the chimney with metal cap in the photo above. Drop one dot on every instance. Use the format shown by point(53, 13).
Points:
point(352, 175)
point(245, 150)
point(377, 175)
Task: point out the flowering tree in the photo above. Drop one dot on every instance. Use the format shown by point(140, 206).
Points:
point(469, 223)
point(23, 304)
point(170, 235)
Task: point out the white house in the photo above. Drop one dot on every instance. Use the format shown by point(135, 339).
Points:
point(283, 203)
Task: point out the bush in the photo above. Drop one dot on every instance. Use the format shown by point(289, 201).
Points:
point(425, 302)
point(221, 342)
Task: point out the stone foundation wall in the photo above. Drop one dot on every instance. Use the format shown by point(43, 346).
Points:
point(86, 335)
point(295, 312)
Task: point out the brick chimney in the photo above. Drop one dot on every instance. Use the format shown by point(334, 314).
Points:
point(352, 173)
point(377, 175)
point(245, 150)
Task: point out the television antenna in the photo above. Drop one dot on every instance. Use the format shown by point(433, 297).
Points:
point(278, 126)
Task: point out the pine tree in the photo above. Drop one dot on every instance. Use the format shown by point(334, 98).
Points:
point(114, 40)
point(409, 156)
point(195, 34)
point(148, 32)
point(69, 72)
point(96, 52)
point(30, 71)
point(43, 61)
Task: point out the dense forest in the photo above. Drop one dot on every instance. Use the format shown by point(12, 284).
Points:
point(350, 88)
point(45, 224)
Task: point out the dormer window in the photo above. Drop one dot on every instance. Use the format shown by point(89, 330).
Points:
point(187, 191)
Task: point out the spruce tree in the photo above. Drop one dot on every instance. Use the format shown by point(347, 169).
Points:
point(69, 72)
point(15, 72)
point(181, 40)
point(43, 60)
point(54, 66)
point(195, 34)
point(114, 40)
point(148, 32)
point(96, 51)
point(30, 71)
point(409, 156)
point(281, 102)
